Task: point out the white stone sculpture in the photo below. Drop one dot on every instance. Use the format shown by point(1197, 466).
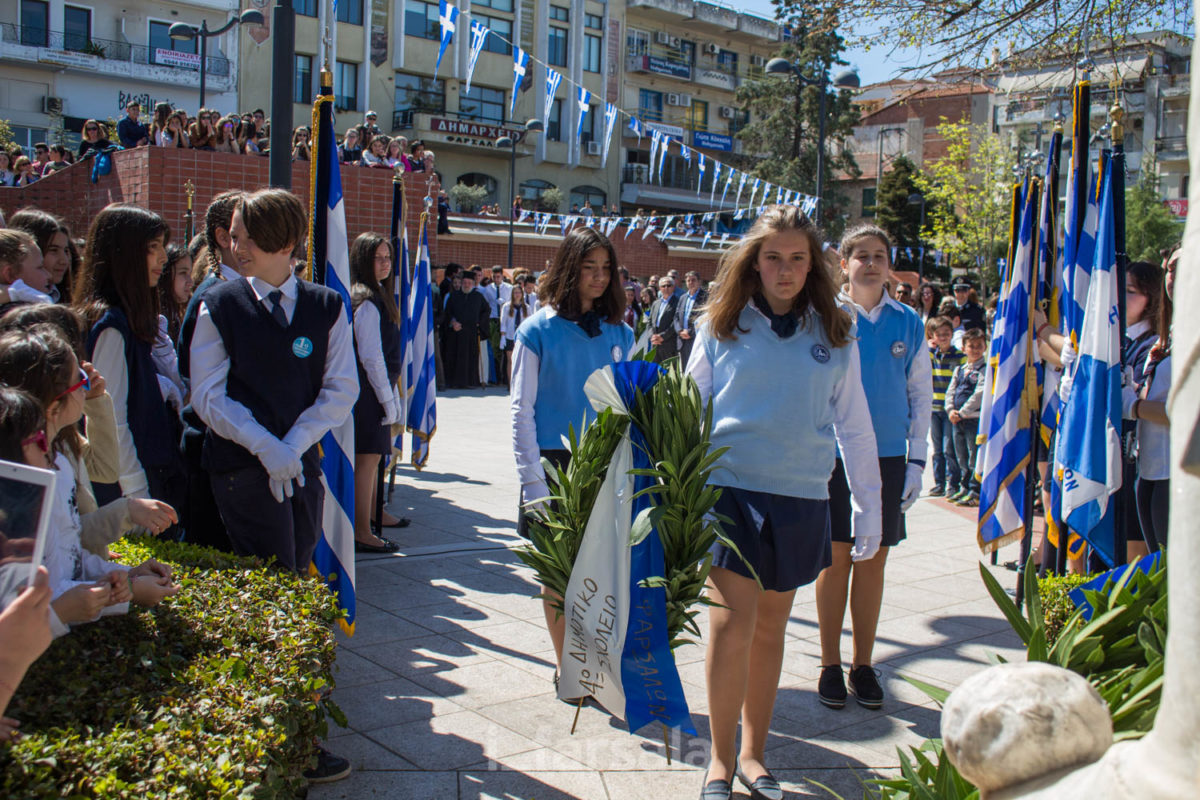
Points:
point(1164, 764)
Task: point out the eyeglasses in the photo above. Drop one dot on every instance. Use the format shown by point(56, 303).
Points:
point(39, 439)
point(85, 383)
point(91, 128)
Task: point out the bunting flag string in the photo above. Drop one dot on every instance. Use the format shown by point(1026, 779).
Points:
point(610, 119)
point(479, 33)
point(700, 167)
point(520, 66)
point(447, 19)
point(655, 143)
point(662, 155)
point(553, 79)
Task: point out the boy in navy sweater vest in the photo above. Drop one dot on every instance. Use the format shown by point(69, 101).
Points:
point(272, 365)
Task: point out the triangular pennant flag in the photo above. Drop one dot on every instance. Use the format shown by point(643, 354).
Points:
point(809, 206)
point(667, 225)
point(650, 225)
point(655, 143)
point(479, 34)
point(584, 109)
point(708, 217)
point(522, 215)
point(741, 183)
point(707, 236)
point(520, 66)
point(724, 238)
point(448, 19)
point(779, 196)
point(700, 166)
point(610, 120)
point(662, 154)
point(686, 153)
point(754, 190)
point(553, 79)
point(635, 125)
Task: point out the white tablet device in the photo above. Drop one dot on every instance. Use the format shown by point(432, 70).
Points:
point(25, 497)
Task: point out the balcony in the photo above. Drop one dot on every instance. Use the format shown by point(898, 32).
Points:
point(1170, 148)
point(109, 57)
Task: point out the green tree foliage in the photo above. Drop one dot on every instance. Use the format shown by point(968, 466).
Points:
point(969, 195)
point(467, 198)
point(782, 138)
point(1149, 226)
point(902, 219)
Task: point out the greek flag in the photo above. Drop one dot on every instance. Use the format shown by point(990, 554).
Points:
point(728, 180)
point(655, 144)
point(635, 125)
point(479, 33)
point(809, 206)
point(1007, 447)
point(700, 166)
point(520, 65)
point(1089, 428)
point(741, 183)
point(610, 121)
point(553, 79)
point(333, 558)
point(448, 19)
point(582, 103)
point(662, 154)
point(422, 403)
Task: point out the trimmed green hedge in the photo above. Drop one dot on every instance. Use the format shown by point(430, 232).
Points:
point(211, 694)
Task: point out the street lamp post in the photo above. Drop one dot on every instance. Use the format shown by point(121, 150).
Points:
point(283, 46)
point(847, 79)
point(531, 126)
point(183, 32)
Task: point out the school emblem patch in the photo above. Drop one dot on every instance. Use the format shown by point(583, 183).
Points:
point(617, 352)
point(899, 349)
point(820, 353)
point(302, 347)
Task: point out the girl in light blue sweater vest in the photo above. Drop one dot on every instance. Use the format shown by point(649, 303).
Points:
point(897, 379)
point(775, 356)
point(577, 330)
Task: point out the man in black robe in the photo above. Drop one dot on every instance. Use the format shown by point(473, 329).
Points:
point(464, 323)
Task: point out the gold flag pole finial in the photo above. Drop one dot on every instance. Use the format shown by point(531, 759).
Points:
point(1117, 115)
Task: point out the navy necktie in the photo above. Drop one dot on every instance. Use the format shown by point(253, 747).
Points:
point(277, 312)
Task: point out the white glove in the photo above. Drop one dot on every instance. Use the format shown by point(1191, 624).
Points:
point(170, 393)
point(282, 489)
point(534, 490)
point(391, 409)
point(912, 486)
point(865, 547)
point(280, 463)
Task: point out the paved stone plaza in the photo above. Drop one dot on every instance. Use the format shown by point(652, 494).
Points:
point(447, 682)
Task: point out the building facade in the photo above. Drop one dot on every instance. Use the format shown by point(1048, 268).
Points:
point(675, 64)
point(64, 63)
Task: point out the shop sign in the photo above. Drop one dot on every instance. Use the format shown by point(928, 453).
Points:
point(712, 141)
point(472, 133)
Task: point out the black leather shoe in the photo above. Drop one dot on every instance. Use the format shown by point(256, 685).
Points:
point(329, 768)
point(401, 522)
point(864, 682)
point(717, 790)
point(764, 787)
point(831, 690)
point(388, 546)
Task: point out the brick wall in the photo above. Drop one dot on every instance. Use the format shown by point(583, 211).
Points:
point(154, 178)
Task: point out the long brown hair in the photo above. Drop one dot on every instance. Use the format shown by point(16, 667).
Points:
point(362, 275)
point(114, 268)
point(559, 286)
point(738, 281)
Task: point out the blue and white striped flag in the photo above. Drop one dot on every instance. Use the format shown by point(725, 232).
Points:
point(655, 144)
point(662, 154)
point(610, 121)
point(635, 125)
point(1005, 453)
point(728, 180)
point(1089, 428)
point(581, 102)
point(448, 20)
point(553, 79)
point(422, 404)
point(737, 200)
point(520, 66)
point(333, 558)
point(479, 34)
point(700, 167)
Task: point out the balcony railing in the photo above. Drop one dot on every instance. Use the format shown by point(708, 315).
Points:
point(107, 49)
point(1170, 144)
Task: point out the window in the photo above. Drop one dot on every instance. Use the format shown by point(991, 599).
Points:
point(305, 8)
point(589, 126)
point(560, 14)
point(482, 103)
point(421, 20)
point(741, 119)
point(868, 201)
point(637, 43)
point(495, 5)
point(345, 86)
point(415, 93)
point(531, 192)
point(697, 115)
point(591, 53)
point(77, 28)
point(26, 137)
point(302, 90)
point(727, 61)
point(650, 105)
point(350, 11)
point(486, 181)
point(35, 22)
point(589, 196)
point(593, 21)
point(686, 53)
point(501, 26)
point(161, 40)
point(557, 50)
point(554, 124)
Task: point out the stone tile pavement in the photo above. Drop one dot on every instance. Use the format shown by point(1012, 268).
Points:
point(447, 683)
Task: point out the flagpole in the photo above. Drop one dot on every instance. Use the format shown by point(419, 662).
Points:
point(1117, 114)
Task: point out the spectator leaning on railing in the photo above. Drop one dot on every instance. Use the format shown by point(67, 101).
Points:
point(95, 138)
point(130, 132)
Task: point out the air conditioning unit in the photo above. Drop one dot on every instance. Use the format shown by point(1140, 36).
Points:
point(594, 148)
point(662, 37)
point(676, 42)
point(727, 112)
point(712, 48)
point(757, 61)
point(685, 100)
point(673, 99)
point(682, 100)
point(52, 105)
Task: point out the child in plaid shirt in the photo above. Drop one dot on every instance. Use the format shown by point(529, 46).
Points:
point(946, 358)
point(964, 396)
